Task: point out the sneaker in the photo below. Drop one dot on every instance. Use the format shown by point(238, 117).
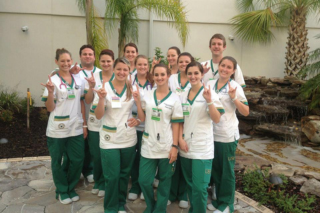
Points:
point(132, 196)
point(213, 190)
point(122, 212)
point(141, 196)
point(155, 183)
point(226, 210)
point(211, 207)
point(94, 191)
point(183, 204)
point(101, 193)
point(168, 203)
point(75, 198)
point(65, 201)
point(90, 178)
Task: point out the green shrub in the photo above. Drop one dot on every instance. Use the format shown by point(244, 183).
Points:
point(23, 103)
point(6, 115)
point(43, 113)
point(10, 101)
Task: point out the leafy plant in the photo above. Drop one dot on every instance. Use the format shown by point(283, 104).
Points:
point(43, 114)
point(23, 103)
point(6, 115)
point(10, 101)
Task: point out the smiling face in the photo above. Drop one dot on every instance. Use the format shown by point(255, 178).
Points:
point(183, 62)
point(121, 71)
point(64, 62)
point(226, 69)
point(142, 66)
point(130, 53)
point(194, 75)
point(172, 57)
point(106, 62)
point(216, 47)
point(87, 57)
point(160, 76)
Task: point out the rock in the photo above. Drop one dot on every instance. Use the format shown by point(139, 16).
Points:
point(15, 196)
point(13, 208)
point(290, 78)
point(272, 109)
point(4, 166)
point(281, 169)
point(41, 185)
point(298, 180)
point(311, 127)
point(280, 81)
point(9, 184)
point(314, 175)
point(244, 127)
point(264, 80)
point(298, 82)
point(43, 200)
point(311, 186)
point(270, 84)
point(248, 209)
point(3, 141)
point(249, 80)
point(289, 93)
point(92, 209)
point(32, 209)
point(2, 207)
point(271, 91)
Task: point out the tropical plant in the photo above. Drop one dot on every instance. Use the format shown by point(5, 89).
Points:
point(258, 16)
point(94, 27)
point(312, 71)
point(126, 12)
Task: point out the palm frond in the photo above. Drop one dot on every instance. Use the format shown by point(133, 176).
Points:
point(81, 5)
point(311, 89)
point(255, 26)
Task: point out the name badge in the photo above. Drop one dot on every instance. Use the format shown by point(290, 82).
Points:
point(186, 109)
point(115, 103)
point(156, 114)
point(179, 90)
point(71, 94)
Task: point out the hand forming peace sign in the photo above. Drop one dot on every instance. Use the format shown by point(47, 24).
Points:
point(102, 93)
point(91, 81)
point(205, 68)
point(136, 94)
point(232, 91)
point(49, 85)
point(207, 93)
point(154, 61)
point(75, 69)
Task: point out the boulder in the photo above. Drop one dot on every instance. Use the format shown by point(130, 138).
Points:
point(298, 180)
point(280, 81)
point(311, 127)
point(264, 80)
point(311, 186)
point(249, 80)
point(281, 169)
point(289, 93)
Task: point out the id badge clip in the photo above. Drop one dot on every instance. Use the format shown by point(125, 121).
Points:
point(115, 103)
point(186, 109)
point(71, 94)
point(156, 114)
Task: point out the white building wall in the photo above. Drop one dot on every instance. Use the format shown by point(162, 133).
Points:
point(27, 58)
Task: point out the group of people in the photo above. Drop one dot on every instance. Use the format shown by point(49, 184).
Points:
point(170, 126)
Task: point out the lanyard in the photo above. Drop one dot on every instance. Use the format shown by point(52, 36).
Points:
point(213, 72)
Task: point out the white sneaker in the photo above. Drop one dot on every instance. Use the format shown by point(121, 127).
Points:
point(132, 196)
point(142, 196)
point(168, 203)
point(122, 212)
point(211, 207)
point(94, 191)
point(226, 210)
point(90, 178)
point(155, 183)
point(75, 198)
point(65, 201)
point(101, 193)
point(183, 204)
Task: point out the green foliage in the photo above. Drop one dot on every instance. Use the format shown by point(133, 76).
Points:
point(159, 54)
point(23, 103)
point(10, 101)
point(256, 184)
point(43, 114)
point(6, 115)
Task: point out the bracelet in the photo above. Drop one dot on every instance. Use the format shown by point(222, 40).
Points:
point(235, 98)
point(175, 146)
point(208, 104)
point(138, 120)
point(85, 126)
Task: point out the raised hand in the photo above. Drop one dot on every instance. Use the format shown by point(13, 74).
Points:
point(91, 81)
point(102, 93)
point(207, 93)
point(155, 61)
point(49, 85)
point(136, 94)
point(75, 69)
point(232, 92)
point(205, 68)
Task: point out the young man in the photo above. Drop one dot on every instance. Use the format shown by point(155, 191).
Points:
point(217, 45)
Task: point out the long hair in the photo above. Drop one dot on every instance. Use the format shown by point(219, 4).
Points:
point(128, 83)
point(149, 76)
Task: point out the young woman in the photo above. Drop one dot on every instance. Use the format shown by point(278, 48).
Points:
point(163, 113)
point(179, 84)
point(66, 128)
point(172, 57)
point(226, 135)
point(143, 79)
point(130, 53)
point(200, 106)
point(118, 135)
point(106, 59)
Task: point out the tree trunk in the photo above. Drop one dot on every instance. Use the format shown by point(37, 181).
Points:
point(88, 21)
point(297, 45)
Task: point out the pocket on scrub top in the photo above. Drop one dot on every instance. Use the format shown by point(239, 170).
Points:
point(199, 142)
point(162, 146)
point(131, 131)
point(61, 123)
point(108, 133)
point(92, 118)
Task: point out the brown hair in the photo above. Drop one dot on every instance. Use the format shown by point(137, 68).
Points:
point(149, 76)
point(60, 52)
point(87, 46)
point(194, 64)
point(218, 36)
point(130, 45)
point(163, 66)
point(107, 52)
point(128, 83)
point(176, 49)
point(234, 61)
point(186, 54)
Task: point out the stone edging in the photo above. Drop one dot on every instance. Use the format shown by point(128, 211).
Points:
point(4, 160)
point(252, 203)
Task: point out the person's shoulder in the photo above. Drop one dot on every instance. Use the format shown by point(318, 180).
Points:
point(233, 83)
point(174, 96)
point(97, 69)
point(211, 82)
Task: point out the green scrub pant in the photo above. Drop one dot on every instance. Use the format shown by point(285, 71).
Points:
point(73, 147)
point(148, 169)
point(94, 147)
point(197, 174)
point(135, 188)
point(223, 174)
point(87, 162)
point(116, 166)
point(178, 190)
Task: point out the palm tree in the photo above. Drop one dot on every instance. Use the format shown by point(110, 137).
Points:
point(125, 11)
point(254, 25)
point(94, 27)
